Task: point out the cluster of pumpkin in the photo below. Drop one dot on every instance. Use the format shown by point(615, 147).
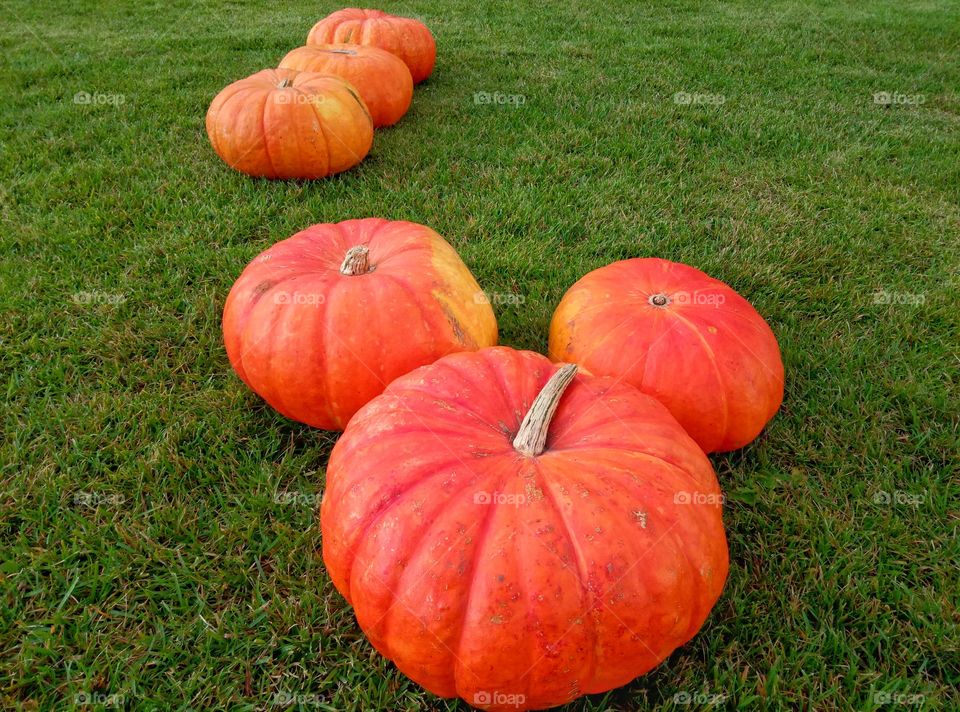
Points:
point(510, 528)
point(314, 115)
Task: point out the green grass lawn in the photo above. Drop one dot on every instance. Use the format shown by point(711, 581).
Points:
point(159, 533)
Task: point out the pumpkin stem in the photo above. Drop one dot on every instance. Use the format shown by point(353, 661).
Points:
point(285, 83)
point(532, 436)
point(355, 261)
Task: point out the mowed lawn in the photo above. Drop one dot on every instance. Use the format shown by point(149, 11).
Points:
point(160, 545)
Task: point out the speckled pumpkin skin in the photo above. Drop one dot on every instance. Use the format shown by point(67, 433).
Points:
point(707, 355)
point(502, 578)
point(405, 37)
point(317, 344)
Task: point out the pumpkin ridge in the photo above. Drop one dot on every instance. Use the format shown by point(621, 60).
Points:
point(613, 332)
point(266, 136)
point(694, 576)
point(722, 391)
point(378, 514)
point(774, 401)
point(678, 638)
point(612, 467)
point(235, 159)
point(760, 328)
point(339, 290)
point(762, 363)
point(482, 537)
point(275, 349)
point(346, 238)
point(384, 225)
point(481, 420)
point(214, 135)
point(646, 359)
point(323, 132)
point(343, 143)
point(359, 101)
point(381, 336)
point(424, 389)
point(601, 424)
point(523, 589)
point(383, 233)
point(588, 598)
point(427, 424)
point(431, 325)
point(500, 380)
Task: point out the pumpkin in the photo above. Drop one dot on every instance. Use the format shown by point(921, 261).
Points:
point(279, 123)
point(407, 38)
point(382, 79)
point(321, 322)
point(681, 336)
point(519, 535)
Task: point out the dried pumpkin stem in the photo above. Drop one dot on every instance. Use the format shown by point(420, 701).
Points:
point(284, 83)
point(532, 436)
point(355, 262)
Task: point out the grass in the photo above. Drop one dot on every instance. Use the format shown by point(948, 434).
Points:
point(159, 539)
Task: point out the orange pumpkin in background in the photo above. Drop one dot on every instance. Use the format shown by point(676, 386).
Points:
point(382, 79)
point(320, 323)
point(681, 336)
point(407, 38)
point(518, 535)
point(279, 123)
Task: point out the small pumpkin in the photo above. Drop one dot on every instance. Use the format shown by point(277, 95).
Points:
point(681, 336)
point(519, 535)
point(405, 37)
point(320, 323)
point(279, 123)
point(382, 79)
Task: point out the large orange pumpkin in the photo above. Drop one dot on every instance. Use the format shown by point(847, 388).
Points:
point(321, 322)
point(675, 333)
point(280, 123)
point(407, 38)
point(516, 545)
point(382, 79)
